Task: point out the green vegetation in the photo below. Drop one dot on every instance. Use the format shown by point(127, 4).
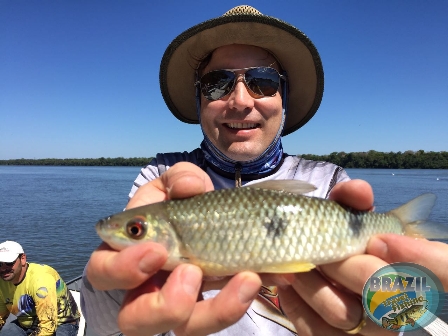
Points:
point(119, 161)
point(370, 159)
point(374, 159)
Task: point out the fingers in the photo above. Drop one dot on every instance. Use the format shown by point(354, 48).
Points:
point(226, 308)
point(357, 194)
point(395, 248)
point(108, 269)
point(352, 273)
point(333, 309)
point(305, 320)
point(182, 180)
point(147, 313)
point(185, 179)
point(174, 307)
point(338, 314)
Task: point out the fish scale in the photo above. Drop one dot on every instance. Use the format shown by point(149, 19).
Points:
point(257, 228)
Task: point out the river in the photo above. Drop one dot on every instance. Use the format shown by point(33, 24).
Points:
point(52, 211)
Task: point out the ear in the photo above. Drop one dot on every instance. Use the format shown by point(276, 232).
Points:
point(23, 259)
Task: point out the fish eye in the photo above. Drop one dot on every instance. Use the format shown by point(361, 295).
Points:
point(136, 228)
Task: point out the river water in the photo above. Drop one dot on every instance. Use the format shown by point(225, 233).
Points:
point(52, 211)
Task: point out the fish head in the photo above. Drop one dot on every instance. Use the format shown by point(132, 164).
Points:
point(135, 226)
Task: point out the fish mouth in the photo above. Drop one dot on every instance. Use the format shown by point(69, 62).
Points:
point(241, 125)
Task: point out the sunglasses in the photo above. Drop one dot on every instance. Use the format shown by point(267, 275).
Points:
point(261, 81)
point(8, 264)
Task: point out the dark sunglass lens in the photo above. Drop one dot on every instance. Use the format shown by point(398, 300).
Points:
point(217, 84)
point(263, 81)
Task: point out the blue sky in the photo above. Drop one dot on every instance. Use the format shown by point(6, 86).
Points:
point(79, 79)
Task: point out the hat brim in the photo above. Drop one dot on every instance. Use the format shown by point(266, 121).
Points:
point(8, 256)
point(292, 48)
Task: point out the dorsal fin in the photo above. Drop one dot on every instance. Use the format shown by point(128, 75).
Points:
point(291, 186)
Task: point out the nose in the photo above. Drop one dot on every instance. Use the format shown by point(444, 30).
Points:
point(240, 98)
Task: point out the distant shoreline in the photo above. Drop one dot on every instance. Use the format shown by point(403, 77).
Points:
point(101, 162)
point(371, 159)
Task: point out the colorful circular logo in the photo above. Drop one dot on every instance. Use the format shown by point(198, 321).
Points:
point(403, 297)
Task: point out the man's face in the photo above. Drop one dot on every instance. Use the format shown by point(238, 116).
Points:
point(240, 124)
point(13, 272)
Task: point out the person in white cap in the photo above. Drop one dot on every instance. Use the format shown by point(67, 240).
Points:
point(247, 79)
point(36, 295)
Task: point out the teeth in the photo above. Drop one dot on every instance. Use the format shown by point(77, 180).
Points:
point(241, 125)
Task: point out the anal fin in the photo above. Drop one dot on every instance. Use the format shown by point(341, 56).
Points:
point(292, 267)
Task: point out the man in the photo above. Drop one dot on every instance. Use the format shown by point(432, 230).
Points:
point(36, 295)
point(248, 79)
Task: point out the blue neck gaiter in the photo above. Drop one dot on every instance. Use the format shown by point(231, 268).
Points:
point(265, 163)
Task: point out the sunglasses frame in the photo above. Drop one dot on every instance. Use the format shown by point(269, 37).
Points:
point(281, 77)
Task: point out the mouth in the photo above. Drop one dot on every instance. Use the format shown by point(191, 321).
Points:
point(5, 273)
point(242, 126)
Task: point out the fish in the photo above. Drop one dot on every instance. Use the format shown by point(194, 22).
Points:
point(407, 316)
point(267, 227)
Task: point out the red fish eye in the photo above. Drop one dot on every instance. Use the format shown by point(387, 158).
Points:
point(136, 228)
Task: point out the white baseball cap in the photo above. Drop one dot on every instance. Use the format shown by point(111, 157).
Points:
point(9, 251)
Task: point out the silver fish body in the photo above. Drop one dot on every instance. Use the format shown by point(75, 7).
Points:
point(251, 228)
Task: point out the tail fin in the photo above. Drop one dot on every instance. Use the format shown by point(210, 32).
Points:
point(414, 217)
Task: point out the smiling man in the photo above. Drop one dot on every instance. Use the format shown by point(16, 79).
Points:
point(248, 80)
point(36, 295)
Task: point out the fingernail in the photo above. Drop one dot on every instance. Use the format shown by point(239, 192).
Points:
point(248, 291)
point(151, 262)
point(191, 280)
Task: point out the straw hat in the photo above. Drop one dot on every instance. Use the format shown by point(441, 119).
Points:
point(244, 25)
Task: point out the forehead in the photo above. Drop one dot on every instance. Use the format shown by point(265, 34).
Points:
point(237, 56)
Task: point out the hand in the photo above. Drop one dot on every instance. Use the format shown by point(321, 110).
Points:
point(169, 299)
point(430, 254)
point(326, 301)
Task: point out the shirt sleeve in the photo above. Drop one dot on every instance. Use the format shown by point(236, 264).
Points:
point(45, 299)
point(100, 308)
point(148, 173)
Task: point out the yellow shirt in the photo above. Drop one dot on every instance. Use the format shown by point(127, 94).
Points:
point(41, 301)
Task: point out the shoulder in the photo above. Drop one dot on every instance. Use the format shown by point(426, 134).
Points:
point(324, 175)
point(162, 162)
point(41, 273)
point(166, 160)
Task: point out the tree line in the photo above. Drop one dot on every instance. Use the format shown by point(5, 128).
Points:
point(371, 159)
point(392, 160)
point(118, 161)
